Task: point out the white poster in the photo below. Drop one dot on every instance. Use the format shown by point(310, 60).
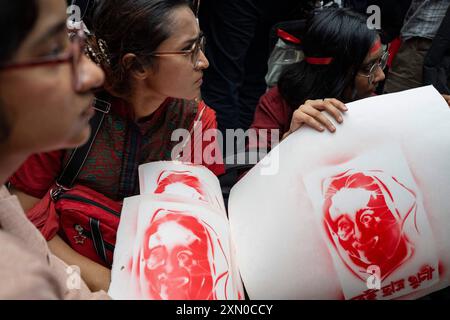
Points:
point(181, 179)
point(173, 242)
point(375, 225)
point(362, 213)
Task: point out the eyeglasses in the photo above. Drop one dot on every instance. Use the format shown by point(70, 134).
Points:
point(381, 63)
point(194, 52)
point(73, 55)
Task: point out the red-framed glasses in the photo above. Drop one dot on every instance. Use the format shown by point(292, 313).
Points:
point(73, 55)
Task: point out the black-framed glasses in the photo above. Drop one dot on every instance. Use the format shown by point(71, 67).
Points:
point(72, 55)
point(381, 63)
point(194, 52)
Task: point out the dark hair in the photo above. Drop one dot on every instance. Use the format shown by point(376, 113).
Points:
point(128, 26)
point(338, 33)
point(17, 19)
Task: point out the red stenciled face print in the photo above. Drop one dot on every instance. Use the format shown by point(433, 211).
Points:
point(180, 182)
point(180, 257)
point(174, 254)
point(363, 222)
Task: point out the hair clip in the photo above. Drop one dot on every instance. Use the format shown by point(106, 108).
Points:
point(104, 50)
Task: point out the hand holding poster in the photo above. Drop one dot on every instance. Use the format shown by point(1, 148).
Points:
point(359, 214)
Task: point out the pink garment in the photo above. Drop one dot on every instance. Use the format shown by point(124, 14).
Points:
point(28, 270)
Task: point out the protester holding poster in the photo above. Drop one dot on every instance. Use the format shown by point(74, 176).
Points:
point(361, 213)
point(152, 55)
point(344, 62)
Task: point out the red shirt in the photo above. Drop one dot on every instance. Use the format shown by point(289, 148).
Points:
point(119, 148)
point(272, 112)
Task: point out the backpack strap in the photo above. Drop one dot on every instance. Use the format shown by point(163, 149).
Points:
point(78, 157)
point(97, 239)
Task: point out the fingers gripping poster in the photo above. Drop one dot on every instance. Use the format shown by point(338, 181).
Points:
point(362, 213)
point(173, 241)
point(358, 214)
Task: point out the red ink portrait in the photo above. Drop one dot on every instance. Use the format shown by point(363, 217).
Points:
point(364, 223)
point(178, 259)
point(180, 182)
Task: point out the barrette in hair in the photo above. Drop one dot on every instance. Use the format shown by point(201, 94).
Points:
point(104, 50)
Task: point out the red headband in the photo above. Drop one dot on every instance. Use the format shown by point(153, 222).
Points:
point(376, 46)
point(325, 61)
point(287, 37)
point(318, 61)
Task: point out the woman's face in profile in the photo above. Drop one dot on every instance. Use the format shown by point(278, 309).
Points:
point(368, 76)
point(40, 104)
point(180, 76)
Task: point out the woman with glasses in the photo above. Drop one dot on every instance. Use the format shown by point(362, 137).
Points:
point(344, 61)
point(45, 104)
point(152, 54)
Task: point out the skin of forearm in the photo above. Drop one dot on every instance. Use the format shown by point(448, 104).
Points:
point(96, 276)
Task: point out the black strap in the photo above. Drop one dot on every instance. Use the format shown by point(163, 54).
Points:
point(80, 154)
point(97, 238)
